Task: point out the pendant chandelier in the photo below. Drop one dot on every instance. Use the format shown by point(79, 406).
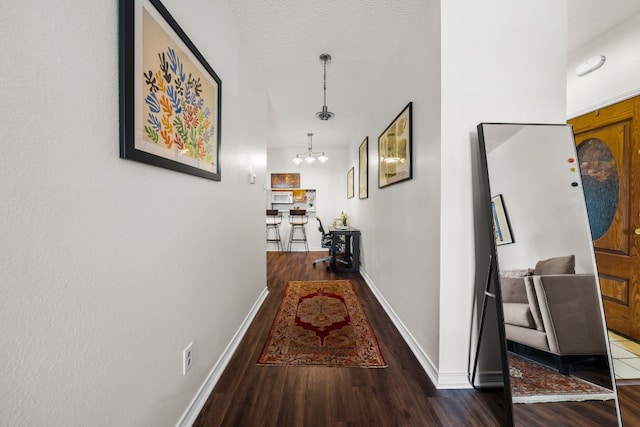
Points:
point(310, 156)
point(325, 114)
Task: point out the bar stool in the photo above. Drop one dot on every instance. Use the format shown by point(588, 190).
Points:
point(274, 219)
point(298, 219)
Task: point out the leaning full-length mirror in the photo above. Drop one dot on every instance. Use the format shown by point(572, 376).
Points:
point(558, 353)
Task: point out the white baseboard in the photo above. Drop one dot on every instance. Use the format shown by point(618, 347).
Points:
point(440, 380)
point(461, 380)
point(453, 380)
point(197, 403)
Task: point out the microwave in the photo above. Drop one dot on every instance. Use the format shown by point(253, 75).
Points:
point(282, 197)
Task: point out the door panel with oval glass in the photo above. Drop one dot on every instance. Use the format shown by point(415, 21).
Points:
point(608, 144)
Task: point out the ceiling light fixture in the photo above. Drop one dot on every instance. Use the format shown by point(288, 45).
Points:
point(310, 156)
point(325, 114)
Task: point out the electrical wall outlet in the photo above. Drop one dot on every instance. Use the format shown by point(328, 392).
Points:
point(187, 359)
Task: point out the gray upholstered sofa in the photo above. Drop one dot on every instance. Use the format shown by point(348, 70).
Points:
point(552, 309)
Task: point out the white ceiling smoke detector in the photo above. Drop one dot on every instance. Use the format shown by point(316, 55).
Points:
point(590, 65)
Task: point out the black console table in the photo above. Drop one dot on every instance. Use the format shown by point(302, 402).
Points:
point(350, 260)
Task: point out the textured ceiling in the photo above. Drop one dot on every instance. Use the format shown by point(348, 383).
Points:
point(288, 36)
point(589, 19)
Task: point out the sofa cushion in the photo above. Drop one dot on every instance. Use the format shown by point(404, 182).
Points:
point(529, 337)
point(513, 290)
point(516, 273)
point(556, 265)
point(533, 303)
point(518, 314)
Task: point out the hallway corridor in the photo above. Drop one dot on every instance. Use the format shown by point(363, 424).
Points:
point(400, 395)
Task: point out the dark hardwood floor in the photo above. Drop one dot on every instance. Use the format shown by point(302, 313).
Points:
point(247, 395)
point(629, 397)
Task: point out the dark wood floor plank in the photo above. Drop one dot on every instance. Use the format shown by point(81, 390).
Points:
point(248, 395)
point(629, 397)
point(566, 414)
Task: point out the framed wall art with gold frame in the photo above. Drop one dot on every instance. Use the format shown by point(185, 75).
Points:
point(363, 169)
point(395, 150)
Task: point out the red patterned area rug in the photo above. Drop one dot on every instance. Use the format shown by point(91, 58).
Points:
point(532, 382)
point(321, 323)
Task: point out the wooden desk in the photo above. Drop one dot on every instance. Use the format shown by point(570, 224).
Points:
point(351, 252)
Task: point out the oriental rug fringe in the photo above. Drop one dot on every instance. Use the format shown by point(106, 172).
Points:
point(321, 323)
point(532, 382)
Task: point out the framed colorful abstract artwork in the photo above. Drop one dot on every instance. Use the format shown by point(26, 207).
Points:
point(394, 150)
point(285, 180)
point(169, 94)
point(363, 169)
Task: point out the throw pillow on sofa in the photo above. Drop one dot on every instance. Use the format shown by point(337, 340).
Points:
point(516, 273)
point(556, 265)
point(518, 315)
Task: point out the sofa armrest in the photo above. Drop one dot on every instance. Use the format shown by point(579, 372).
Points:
point(571, 312)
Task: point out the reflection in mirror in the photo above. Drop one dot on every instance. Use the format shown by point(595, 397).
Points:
point(557, 347)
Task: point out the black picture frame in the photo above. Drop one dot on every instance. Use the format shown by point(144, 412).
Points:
point(170, 112)
point(395, 149)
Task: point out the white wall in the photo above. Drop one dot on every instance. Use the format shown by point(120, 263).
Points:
point(329, 179)
point(418, 236)
point(111, 267)
point(619, 77)
point(489, 52)
point(400, 224)
point(542, 205)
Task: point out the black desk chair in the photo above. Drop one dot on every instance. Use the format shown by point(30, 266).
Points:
point(327, 239)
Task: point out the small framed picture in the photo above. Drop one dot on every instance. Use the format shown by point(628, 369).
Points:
point(501, 227)
point(285, 180)
point(350, 183)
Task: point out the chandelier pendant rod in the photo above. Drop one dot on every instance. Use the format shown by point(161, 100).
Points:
point(325, 114)
point(325, 86)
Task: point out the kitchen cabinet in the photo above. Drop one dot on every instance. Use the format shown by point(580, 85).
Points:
point(299, 196)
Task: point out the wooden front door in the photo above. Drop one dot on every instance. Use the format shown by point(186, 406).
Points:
point(608, 144)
